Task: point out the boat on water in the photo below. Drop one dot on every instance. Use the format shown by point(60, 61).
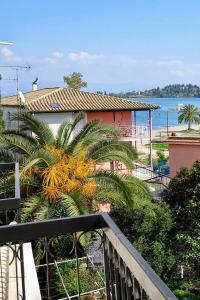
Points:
point(177, 107)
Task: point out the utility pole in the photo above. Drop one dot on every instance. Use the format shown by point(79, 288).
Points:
point(167, 123)
point(150, 140)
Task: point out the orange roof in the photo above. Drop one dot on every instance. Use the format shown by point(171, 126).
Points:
point(182, 140)
point(67, 99)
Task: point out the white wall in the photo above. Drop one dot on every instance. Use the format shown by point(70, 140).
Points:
point(54, 119)
point(8, 110)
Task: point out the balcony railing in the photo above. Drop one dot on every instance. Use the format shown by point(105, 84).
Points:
point(127, 274)
point(147, 174)
point(9, 207)
point(134, 132)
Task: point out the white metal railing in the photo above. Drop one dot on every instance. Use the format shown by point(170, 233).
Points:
point(145, 173)
point(131, 131)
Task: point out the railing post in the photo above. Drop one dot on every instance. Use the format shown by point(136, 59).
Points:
point(17, 181)
point(106, 268)
point(46, 245)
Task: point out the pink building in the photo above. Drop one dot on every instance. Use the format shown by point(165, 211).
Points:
point(183, 152)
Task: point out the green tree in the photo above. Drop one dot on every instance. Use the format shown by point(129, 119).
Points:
point(183, 197)
point(75, 81)
point(147, 226)
point(42, 163)
point(189, 114)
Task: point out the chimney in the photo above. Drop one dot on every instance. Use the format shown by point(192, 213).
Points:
point(34, 84)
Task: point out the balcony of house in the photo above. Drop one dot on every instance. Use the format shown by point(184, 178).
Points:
point(100, 263)
point(115, 269)
point(134, 133)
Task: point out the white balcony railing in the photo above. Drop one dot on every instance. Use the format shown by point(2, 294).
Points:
point(137, 132)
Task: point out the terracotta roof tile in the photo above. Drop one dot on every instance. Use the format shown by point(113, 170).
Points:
point(29, 96)
point(65, 99)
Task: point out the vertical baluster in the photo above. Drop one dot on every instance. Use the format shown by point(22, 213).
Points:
point(134, 288)
point(77, 267)
point(46, 245)
point(122, 280)
point(112, 282)
point(106, 268)
point(128, 284)
point(22, 272)
point(117, 277)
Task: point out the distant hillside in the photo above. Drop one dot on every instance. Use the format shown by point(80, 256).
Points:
point(173, 90)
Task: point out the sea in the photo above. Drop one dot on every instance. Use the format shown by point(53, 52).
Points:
point(168, 110)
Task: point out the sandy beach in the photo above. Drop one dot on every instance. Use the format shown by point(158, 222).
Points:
point(178, 129)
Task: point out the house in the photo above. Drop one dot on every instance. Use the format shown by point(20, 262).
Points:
point(54, 105)
point(183, 152)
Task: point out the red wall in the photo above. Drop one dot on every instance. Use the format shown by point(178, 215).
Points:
point(111, 117)
point(182, 155)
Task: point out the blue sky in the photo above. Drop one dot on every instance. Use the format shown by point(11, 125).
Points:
point(117, 45)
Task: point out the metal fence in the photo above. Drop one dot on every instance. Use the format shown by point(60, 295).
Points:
point(127, 274)
point(9, 213)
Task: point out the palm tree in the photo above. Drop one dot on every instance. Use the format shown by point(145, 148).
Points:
point(58, 173)
point(189, 114)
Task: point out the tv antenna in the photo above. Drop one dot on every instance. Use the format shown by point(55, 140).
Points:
point(17, 69)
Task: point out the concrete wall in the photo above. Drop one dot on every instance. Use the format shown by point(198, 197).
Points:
point(112, 117)
point(182, 155)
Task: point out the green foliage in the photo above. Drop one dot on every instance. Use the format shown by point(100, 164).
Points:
point(189, 114)
point(90, 278)
point(75, 81)
point(172, 90)
point(161, 157)
point(160, 146)
point(147, 227)
point(183, 196)
point(186, 290)
point(38, 153)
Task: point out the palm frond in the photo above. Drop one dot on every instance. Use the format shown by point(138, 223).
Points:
point(25, 135)
point(31, 207)
point(40, 129)
point(66, 129)
point(17, 144)
point(91, 134)
point(109, 150)
point(89, 127)
point(110, 180)
point(139, 189)
point(40, 158)
point(73, 204)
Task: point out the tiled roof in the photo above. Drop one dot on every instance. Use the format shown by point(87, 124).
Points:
point(29, 96)
point(65, 99)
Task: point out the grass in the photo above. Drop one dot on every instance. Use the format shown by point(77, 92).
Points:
point(190, 130)
point(159, 146)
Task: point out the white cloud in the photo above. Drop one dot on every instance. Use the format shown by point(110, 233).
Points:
point(9, 55)
point(54, 58)
point(58, 54)
point(83, 56)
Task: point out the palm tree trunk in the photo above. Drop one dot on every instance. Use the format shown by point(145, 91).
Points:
point(189, 125)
